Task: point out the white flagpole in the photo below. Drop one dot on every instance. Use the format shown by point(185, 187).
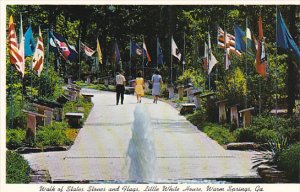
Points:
point(79, 56)
point(130, 57)
point(21, 38)
point(157, 52)
point(208, 59)
point(276, 63)
point(183, 62)
point(143, 57)
point(246, 99)
point(171, 61)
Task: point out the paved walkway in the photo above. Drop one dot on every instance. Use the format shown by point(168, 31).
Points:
point(182, 151)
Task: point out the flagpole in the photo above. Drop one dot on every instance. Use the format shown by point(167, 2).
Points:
point(47, 55)
point(208, 60)
point(79, 55)
point(259, 96)
point(130, 56)
point(217, 68)
point(143, 57)
point(276, 63)
point(183, 62)
point(11, 98)
point(246, 99)
point(115, 63)
point(31, 73)
point(171, 60)
point(20, 40)
point(157, 52)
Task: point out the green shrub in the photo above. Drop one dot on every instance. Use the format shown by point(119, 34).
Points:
point(265, 135)
point(79, 106)
point(266, 127)
point(164, 91)
point(289, 161)
point(245, 134)
point(80, 83)
point(52, 135)
point(17, 168)
point(15, 138)
point(291, 132)
point(198, 118)
point(219, 133)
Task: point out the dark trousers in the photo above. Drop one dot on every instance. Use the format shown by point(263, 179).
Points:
point(120, 91)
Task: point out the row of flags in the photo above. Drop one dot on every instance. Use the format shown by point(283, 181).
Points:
point(241, 41)
point(18, 50)
point(60, 45)
point(244, 41)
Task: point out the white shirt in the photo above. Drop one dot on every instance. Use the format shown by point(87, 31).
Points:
point(120, 79)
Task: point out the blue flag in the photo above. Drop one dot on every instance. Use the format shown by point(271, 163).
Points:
point(135, 49)
point(284, 38)
point(239, 38)
point(160, 56)
point(29, 45)
point(117, 53)
point(60, 45)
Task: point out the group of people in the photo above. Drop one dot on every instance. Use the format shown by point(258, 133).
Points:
point(156, 81)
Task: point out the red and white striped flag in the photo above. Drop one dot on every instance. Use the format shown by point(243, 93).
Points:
point(230, 42)
point(38, 56)
point(146, 52)
point(16, 53)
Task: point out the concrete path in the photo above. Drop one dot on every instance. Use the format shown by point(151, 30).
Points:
point(182, 151)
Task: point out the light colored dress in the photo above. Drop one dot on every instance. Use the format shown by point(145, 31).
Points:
point(139, 90)
point(156, 84)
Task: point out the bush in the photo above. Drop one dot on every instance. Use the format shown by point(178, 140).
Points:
point(17, 168)
point(265, 135)
point(245, 134)
point(291, 133)
point(164, 91)
point(198, 118)
point(289, 161)
point(15, 138)
point(52, 135)
point(264, 128)
point(219, 133)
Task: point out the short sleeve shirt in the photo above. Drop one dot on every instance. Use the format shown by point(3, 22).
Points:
point(120, 79)
point(156, 78)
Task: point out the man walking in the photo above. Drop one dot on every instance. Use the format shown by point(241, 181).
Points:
point(120, 87)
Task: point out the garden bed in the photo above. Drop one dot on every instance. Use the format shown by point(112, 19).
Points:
point(57, 136)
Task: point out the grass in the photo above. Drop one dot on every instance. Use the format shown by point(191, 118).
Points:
point(217, 132)
point(101, 87)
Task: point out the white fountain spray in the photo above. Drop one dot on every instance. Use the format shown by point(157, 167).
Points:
point(141, 150)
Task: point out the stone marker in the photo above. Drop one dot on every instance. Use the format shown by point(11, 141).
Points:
point(247, 116)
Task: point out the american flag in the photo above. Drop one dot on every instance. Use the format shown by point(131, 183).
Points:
point(230, 42)
point(16, 53)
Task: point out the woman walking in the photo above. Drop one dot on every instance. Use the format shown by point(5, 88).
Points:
point(156, 81)
point(139, 87)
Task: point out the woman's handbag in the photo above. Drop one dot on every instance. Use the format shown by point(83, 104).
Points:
point(150, 85)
